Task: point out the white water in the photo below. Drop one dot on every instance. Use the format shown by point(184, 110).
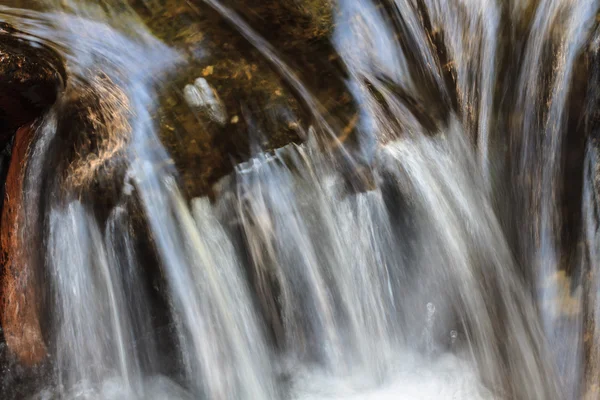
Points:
point(414, 378)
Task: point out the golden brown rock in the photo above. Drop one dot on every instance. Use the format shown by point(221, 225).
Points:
point(31, 75)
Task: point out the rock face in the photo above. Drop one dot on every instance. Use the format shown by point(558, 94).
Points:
point(257, 108)
point(31, 77)
point(19, 317)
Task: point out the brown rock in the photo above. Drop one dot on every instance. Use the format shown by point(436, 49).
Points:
point(264, 111)
point(18, 311)
point(31, 77)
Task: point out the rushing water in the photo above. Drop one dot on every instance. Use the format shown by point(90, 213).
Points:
point(423, 259)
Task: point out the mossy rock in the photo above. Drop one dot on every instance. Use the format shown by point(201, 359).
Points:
point(263, 111)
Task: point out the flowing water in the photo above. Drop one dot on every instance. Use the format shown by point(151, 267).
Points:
point(424, 257)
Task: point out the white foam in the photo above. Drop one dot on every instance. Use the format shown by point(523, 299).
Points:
point(415, 378)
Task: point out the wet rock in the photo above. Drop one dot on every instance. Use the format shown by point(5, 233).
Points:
point(263, 111)
point(205, 142)
point(296, 22)
point(85, 158)
point(201, 97)
point(19, 305)
point(93, 132)
point(31, 77)
point(590, 275)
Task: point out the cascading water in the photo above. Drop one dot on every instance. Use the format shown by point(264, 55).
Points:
point(415, 253)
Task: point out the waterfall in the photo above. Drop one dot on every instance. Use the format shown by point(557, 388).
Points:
point(416, 251)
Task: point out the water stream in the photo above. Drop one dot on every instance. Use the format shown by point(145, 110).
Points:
point(421, 256)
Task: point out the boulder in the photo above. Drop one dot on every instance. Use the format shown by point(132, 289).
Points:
point(31, 77)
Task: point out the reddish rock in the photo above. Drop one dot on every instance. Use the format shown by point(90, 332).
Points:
point(31, 77)
point(18, 311)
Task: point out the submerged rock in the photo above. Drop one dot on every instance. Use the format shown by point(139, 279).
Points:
point(202, 97)
point(255, 108)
